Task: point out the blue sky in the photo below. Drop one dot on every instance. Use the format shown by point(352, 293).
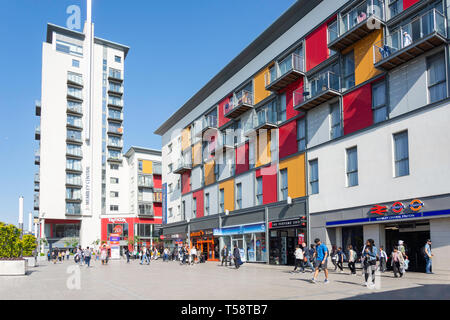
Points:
point(190, 41)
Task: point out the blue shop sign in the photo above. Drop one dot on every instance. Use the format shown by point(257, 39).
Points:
point(252, 228)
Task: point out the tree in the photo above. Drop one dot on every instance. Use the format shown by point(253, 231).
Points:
point(29, 245)
point(10, 243)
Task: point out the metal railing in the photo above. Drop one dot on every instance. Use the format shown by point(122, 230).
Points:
point(360, 14)
point(210, 121)
point(292, 62)
point(115, 115)
point(266, 115)
point(181, 163)
point(430, 22)
point(240, 98)
point(317, 86)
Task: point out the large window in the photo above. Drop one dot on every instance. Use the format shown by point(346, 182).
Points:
point(70, 48)
point(144, 230)
point(194, 207)
point(301, 134)
point(239, 196)
point(395, 7)
point(282, 108)
point(332, 35)
point(314, 176)
point(73, 194)
point(73, 208)
point(401, 154)
point(352, 167)
point(379, 106)
point(74, 121)
point(207, 205)
point(284, 184)
point(66, 231)
point(73, 164)
point(111, 229)
point(145, 181)
point(74, 135)
point(349, 70)
point(437, 84)
point(74, 150)
point(336, 122)
point(73, 179)
point(259, 191)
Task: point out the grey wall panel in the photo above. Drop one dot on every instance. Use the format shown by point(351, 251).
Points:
point(287, 212)
point(205, 224)
point(408, 87)
point(241, 219)
point(213, 199)
point(318, 125)
point(196, 178)
point(188, 205)
point(177, 229)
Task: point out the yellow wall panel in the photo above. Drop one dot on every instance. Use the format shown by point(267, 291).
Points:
point(296, 175)
point(262, 146)
point(186, 138)
point(228, 187)
point(363, 49)
point(147, 167)
point(260, 86)
point(197, 154)
point(210, 177)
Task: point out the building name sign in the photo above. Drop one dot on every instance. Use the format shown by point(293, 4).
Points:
point(299, 222)
point(398, 208)
point(117, 220)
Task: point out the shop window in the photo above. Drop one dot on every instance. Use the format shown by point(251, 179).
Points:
point(111, 228)
point(401, 154)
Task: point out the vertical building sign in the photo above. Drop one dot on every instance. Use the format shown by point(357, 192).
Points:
point(164, 204)
point(88, 188)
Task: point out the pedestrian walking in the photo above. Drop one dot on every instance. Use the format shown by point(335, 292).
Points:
point(352, 258)
point(298, 254)
point(334, 257)
point(340, 259)
point(87, 257)
point(237, 257)
point(428, 255)
point(193, 254)
point(68, 254)
point(307, 257)
point(104, 255)
point(127, 254)
point(370, 262)
point(383, 259)
point(144, 256)
point(321, 258)
point(49, 256)
point(397, 261)
point(224, 255)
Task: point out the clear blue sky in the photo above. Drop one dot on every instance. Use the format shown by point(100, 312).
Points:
point(190, 40)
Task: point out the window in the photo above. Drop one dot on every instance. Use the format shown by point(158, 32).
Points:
point(74, 150)
point(194, 207)
point(349, 70)
point(332, 35)
point(70, 48)
point(352, 167)
point(75, 63)
point(73, 179)
point(437, 84)
point(401, 154)
point(169, 147)
point(74, 121)
point(207, 204)
point(114, 180)
point(114, 166)
point(73, 164)
point(73, 208)
point(170, 188)
point(284, 184)
point(170, 213)
point(114, 194)
point(395, 7)
point(140, 166)
point(336, 127)
point(74, 135)
point(282, 108)
point(259, 191)
point(73, 194)
point(380, 112)
point(170, 167)
point(301, 134)
point(239, 196)
point(314, 176)
point(183, 210)
point(222, 200)
point(118, 59)
point(113, 208)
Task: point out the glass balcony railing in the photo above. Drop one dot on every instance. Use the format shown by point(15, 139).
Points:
point(73, 135)
point(266, 117)
point(157, 168)
point(75, 93)
point(361, 13)
point(76, 152)
point(74, 122)
point(115, 156)
point(74, 107)
point(210, 121)
point(319, 90)
point(293, 62)
point(241, 102)
point(73, 209)
point(182, 166)
point(115, 129)
point(428, 30)
point(114, 88)
point(75, 78)
point(37, 177)
point(37, 157)
point(115, 143)
point(145, 181)
point(115, 101)
point(115, 74)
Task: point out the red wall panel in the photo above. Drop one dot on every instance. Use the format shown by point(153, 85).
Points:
point(409, 3)
point(221, 113)
point(157, 207)
point(157, 181)
point(198, 196)
point(242, 161)
point(358, 109)
point(288, 139)
point(289, 91)
point(186, 182)
point(316, 47)
point(270, 189)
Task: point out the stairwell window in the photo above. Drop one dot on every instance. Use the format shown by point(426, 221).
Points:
point(301, 134)
point(259, 191)
point(207, 204)
point(336, 127)
point(314, 176)
point(437, 82)
point(284, 184)
point(352, 167)
point(379, 106)
point(349, 70)
point(222, 200)
point(401, 154)
point(239, 196)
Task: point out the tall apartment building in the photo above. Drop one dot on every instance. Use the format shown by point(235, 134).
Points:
point(331, 124)
point(83, 177)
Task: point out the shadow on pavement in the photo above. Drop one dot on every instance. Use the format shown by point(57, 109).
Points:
point(423, 292)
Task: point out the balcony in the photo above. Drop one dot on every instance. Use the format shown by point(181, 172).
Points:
point(226, 142)
point(38, 108)
point(157, 168)
point(36, 187)
point(209, 126)
point(242, 102)
point(115, 157)
point(75, 79)
point(77, 124)
point(424, 33)
point(74, 168)
point(115, 144)
point(115, 89)
point(145, 181)
point(115, 116)
point(74, 94)
point(37, 133)
point(321, 89)
point(74, 108)
point(74, 137)
point(115, 75)
point(73, 209)
point(115, 130)
point(74, 183)
point(285, 72)
point(146, 210)
point(115, 102)
point(37, 178)
point(74, 153)
point(37, 157)
point(357, 24)
point(182, 167)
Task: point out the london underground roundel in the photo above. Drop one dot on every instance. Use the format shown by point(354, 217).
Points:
point(416, 205)
point(397, 207)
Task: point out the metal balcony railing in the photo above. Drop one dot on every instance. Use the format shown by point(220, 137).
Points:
point(423, 33)
point(360, 14)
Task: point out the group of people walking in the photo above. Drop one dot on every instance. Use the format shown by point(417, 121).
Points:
point(228, 257)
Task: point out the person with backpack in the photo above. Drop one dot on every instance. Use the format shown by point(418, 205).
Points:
point(298, 259)
point(352, 257)
point(340, 259)
point(397, 261)
point(428, 255)
point(370, 262)
point(383, 259)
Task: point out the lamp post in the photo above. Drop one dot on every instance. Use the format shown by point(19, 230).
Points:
point(21, 220)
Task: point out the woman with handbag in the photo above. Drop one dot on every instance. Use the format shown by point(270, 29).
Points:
point(298, 259)
point(370, 261)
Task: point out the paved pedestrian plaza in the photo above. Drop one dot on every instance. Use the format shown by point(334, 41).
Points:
point(169, 280)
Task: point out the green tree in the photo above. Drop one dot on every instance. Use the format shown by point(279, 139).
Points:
point(10, 243)
point(29, 245)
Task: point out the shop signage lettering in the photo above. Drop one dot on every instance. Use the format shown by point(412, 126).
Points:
point(117, 220)
point(197, 234)
point(301, 222)
point(255, 228)
point(397, 208)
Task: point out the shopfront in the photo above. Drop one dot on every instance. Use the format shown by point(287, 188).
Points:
point(250, 239)
point(284, 236)
point(206, 244)
point(412, 221)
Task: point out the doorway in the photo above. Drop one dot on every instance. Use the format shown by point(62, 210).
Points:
point(414, 236)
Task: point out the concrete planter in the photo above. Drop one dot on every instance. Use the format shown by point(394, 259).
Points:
point(13, 267)
point(32, 263)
